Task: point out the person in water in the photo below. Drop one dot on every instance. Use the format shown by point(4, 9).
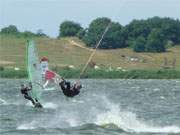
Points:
point(25, 90)
point(70, 90)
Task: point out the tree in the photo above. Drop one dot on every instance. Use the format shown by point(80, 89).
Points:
point(69, 28)
point(28, 34)
point(40, 33)
point(171, 29)
point(11, 29)
point(155, 45)
point(112, 39)
point(95, 31)
point(81, 33)
point(139, 44)
point(135, 29)
point(154, 22)
point(156, 41)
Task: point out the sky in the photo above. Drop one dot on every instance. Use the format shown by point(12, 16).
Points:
point(49, 14)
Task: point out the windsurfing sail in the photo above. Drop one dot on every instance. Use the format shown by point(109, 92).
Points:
point(49, 76)
point(34, 70)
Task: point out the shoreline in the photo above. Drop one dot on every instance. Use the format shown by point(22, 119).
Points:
point(101, 74)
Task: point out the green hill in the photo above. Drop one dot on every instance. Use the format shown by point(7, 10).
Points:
point(71, 51)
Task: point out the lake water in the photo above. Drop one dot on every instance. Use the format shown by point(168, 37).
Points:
point(104, 107)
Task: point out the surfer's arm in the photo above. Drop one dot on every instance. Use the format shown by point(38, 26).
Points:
point(58, 79)
point(29, 88)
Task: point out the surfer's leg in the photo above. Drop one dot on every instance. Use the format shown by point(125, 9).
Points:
point(29, 98)
point(36, 100)
point(63, 88)
point(38, 105)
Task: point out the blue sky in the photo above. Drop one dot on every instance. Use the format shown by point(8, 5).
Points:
point(48, 14)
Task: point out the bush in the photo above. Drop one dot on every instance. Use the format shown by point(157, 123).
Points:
point(11, 29)
point(139, 44)
point(69, 28)
point(1, 68)
point(155, 45)
point(156, 41)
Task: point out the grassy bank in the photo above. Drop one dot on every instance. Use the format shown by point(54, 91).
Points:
point(10, 73)
point(71, 51)
point(101, 74)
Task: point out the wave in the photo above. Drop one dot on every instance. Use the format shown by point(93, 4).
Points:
point(2, 101)
point(110, 117)
point(50, 105)
point(27, 126)
point(129, 122)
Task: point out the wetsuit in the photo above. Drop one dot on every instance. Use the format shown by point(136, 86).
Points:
point(26, 95)
point(68, 90)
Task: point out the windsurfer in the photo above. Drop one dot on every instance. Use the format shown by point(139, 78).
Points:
point(25, 90)
point(70, 90)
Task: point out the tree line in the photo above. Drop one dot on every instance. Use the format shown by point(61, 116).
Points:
point(12, 30)
point(151, 35)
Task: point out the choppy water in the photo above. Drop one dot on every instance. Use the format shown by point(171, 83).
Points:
point(104, 107)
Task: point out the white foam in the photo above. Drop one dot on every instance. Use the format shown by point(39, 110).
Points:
point(50, 105)
point(2, 101)
point(129, 122)
point(29, 104)
point(27, 126)
point(77, 101)
point(162, 97)
point(49, 89)
point(156, 89)
point(72, 122)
